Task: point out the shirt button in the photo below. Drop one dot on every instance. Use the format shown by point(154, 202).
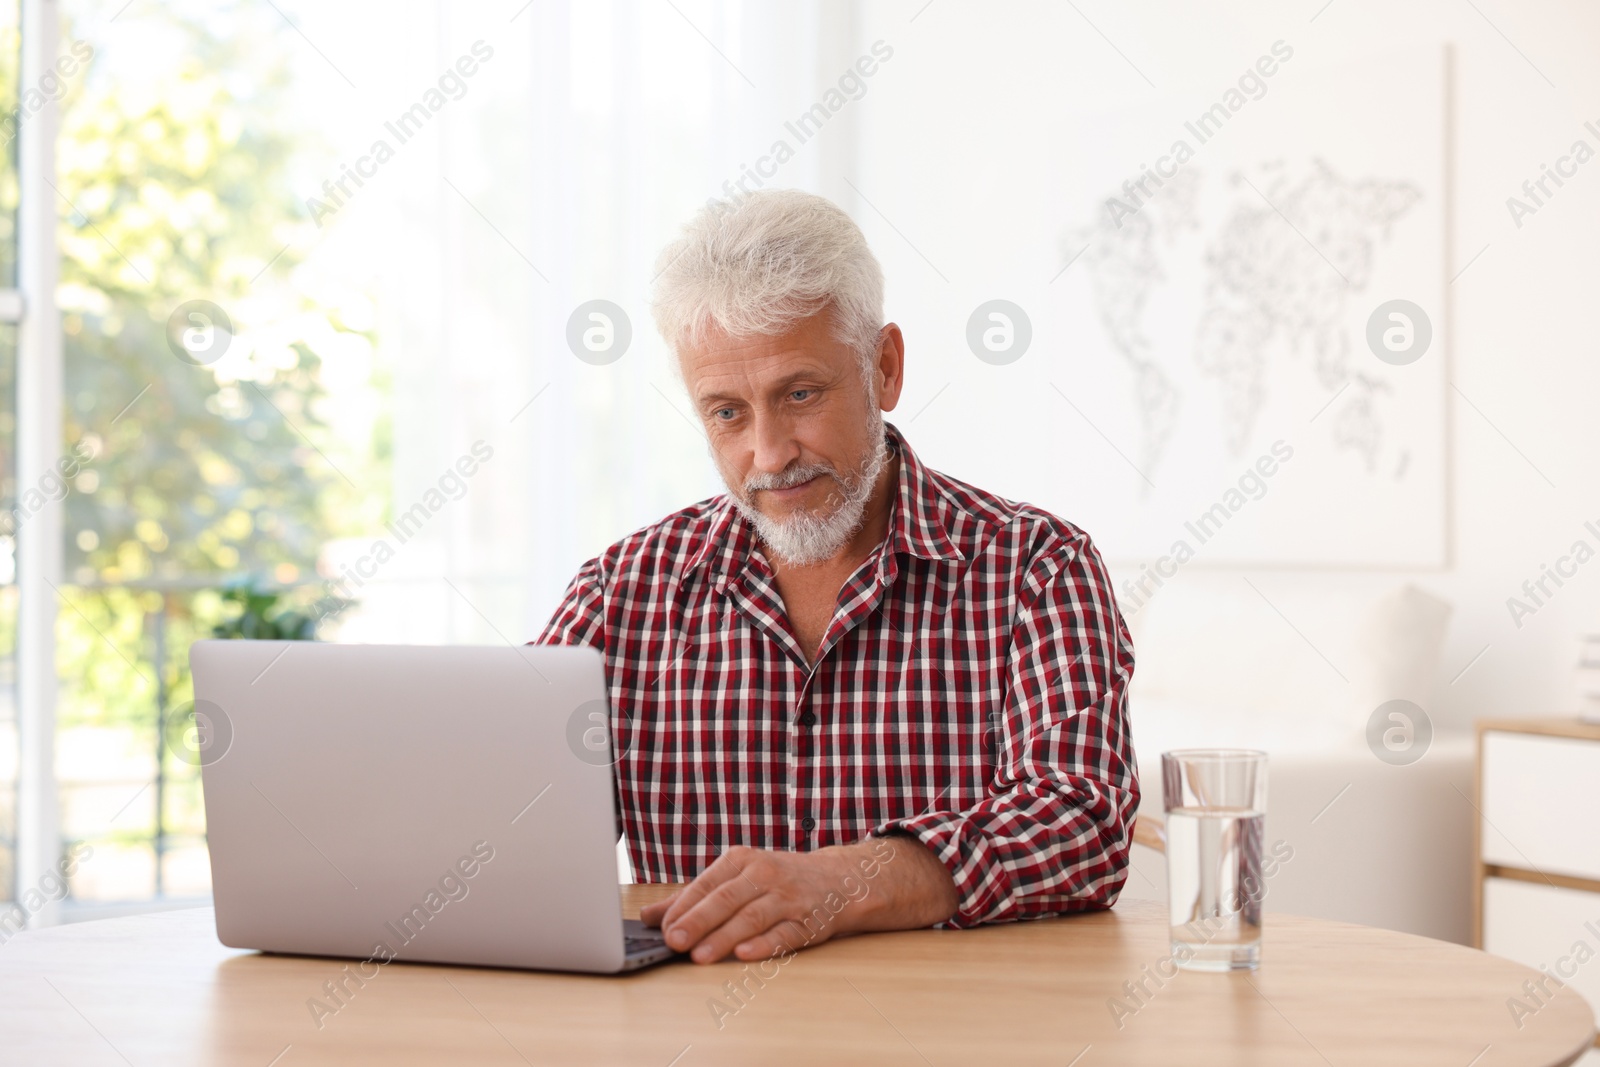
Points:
point(808, 824)
point(808, 719)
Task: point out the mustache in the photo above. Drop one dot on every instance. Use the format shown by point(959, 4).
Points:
point(788, 477)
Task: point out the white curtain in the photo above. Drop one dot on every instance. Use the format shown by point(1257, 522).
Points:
point(576, 151)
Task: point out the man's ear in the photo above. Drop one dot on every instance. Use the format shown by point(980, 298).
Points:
point(890, 366)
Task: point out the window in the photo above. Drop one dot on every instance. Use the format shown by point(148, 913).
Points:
point(277, 339)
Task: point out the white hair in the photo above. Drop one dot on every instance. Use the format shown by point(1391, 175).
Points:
point(754, 265)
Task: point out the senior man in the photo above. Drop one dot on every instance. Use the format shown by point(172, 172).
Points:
point(852, 693)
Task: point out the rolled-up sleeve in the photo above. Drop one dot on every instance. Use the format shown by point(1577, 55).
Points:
point(1053, 834)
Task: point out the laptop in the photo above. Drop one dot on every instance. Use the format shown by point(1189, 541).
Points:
point(390, 802)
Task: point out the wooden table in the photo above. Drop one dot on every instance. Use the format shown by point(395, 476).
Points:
point(160, 990)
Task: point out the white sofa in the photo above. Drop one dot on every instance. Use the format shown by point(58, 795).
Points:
point(1375, 844)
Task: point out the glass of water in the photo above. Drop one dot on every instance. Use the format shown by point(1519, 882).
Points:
point(1215, 801)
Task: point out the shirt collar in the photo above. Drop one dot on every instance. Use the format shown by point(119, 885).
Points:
point(916, 522)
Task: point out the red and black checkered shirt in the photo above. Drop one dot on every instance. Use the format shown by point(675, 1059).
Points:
point(970, 691)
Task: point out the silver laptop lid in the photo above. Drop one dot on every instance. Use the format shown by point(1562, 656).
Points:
point(451, 804)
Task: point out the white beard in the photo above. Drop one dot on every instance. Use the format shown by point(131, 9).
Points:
point(806, 537)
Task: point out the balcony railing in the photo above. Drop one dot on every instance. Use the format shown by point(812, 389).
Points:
point(123, 655)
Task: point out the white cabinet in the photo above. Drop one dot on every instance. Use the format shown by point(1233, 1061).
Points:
point(1549, 928)
point(1537, 884)
point(1541, 803)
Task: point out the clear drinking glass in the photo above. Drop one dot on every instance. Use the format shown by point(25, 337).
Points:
point(1215, 801)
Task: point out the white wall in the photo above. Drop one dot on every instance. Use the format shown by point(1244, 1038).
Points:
point(956, 143)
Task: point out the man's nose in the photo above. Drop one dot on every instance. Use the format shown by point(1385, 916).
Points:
point(775, 446)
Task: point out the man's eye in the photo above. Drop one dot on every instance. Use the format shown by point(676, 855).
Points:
point(722, 413)
point(799, 394)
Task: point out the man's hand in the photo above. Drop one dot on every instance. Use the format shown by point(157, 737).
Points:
point(755, 904)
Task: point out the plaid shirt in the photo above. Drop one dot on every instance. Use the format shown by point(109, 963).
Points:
point(970, 691)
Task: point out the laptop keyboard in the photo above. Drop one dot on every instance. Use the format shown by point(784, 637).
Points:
point(637, 937)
